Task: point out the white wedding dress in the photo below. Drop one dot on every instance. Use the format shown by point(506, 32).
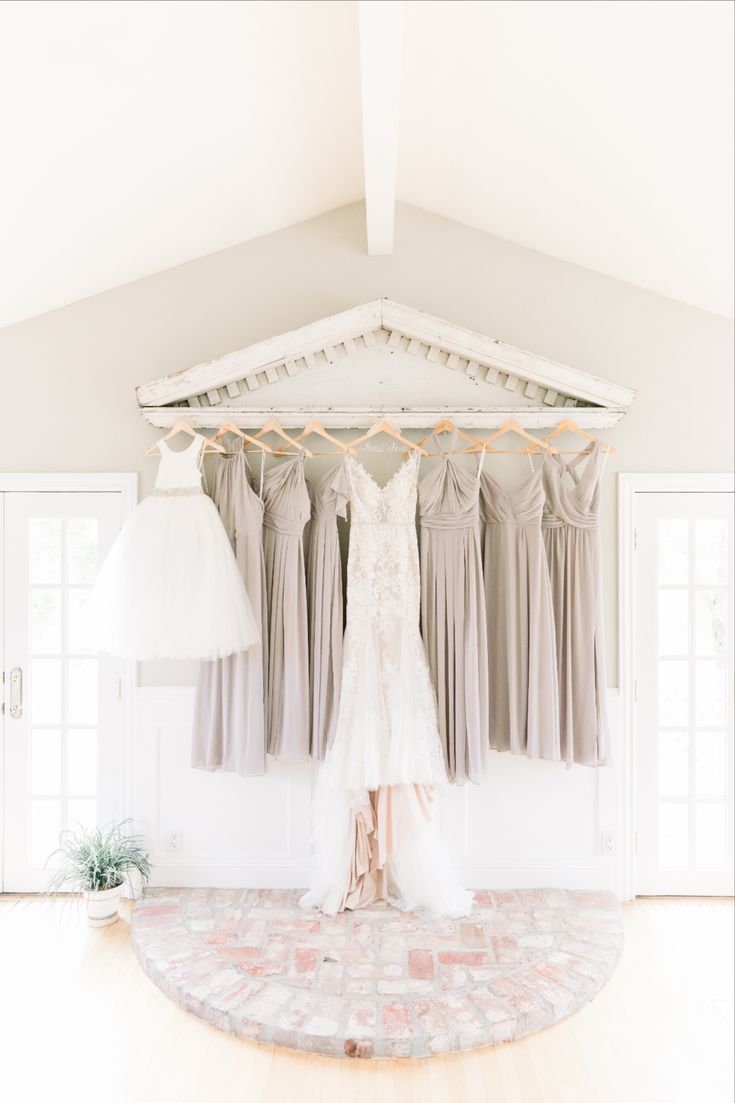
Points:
point(170, 587)
point(375, 830)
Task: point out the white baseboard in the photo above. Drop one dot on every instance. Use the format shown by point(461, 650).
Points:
point(296, 877)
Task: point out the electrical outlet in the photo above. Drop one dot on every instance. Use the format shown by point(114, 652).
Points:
point(608, 842)
point(173, 839)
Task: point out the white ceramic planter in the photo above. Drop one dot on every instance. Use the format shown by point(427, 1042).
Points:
point(133, 887)
point(103, 907)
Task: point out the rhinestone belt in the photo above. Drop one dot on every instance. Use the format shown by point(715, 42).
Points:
point(176, 491)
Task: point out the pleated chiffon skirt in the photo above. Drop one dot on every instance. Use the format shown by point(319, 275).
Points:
point(573, 557)
point(453, 614)
point(229, 710)
point(524, 697)
point(286, 511)
point(330, 494)
point(572, 540)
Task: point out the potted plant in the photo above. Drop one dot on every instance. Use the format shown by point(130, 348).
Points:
point(97, 863)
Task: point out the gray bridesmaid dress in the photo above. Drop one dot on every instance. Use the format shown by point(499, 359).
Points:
point(330, 494)
point(524, 701)
point(571, 536)
point(286, 510)
point(453, 611)
point(229, 709)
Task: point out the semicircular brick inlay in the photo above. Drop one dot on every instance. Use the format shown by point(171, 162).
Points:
point(378, 982)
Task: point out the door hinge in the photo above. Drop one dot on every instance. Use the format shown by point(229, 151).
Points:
point(635, 539)
point(635, 690)
point(119, 689)
point(635, 842)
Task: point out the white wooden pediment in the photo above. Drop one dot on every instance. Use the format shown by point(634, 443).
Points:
point(382, 359)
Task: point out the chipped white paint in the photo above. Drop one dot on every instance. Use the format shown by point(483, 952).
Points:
point(236, 366)
point(408, 334)
point(361, 417)
point(464, 342)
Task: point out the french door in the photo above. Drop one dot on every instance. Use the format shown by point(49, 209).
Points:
point(684, 693)
point(61, 702)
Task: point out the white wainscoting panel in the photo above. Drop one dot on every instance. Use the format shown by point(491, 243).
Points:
point(531, 823)
point(232, 831)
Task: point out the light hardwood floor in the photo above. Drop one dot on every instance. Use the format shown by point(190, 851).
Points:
point(80, 1021)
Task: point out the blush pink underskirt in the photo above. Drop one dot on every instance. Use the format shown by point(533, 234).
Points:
point(386, 819)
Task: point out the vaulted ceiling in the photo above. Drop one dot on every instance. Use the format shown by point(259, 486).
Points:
point(138, 136)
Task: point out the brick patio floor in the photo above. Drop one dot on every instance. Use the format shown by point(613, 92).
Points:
point(378, 982)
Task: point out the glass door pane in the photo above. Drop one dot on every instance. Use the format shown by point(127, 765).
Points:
point(62, 742)
point(684, 675)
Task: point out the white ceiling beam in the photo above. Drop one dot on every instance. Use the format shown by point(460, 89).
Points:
point(381, 50)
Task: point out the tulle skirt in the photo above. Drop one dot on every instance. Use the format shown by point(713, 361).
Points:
point(383, 844)
point(170, 587)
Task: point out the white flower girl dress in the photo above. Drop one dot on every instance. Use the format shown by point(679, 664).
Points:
point(170, 587)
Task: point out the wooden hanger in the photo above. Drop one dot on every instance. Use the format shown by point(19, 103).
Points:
point(230, 427)
point(569, 426)
point(383, 426)
point(446, 426)
point(318, 428)
point(181, 426)
point(273, 426)
point(513, 426)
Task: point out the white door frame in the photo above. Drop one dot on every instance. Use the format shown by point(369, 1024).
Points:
point(628, 486)
point(126, 485)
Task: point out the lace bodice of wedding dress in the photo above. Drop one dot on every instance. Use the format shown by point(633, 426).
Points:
point(387, 731)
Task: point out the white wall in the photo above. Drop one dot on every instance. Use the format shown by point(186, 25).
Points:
point(66, 381)
point(531, 823)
